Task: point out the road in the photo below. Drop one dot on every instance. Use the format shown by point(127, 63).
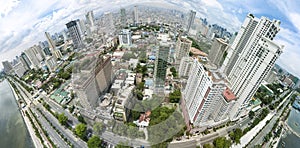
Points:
point(78, 143)
point(260, 136)
point(59, 142)
point(66, 132)
point(116, 139)
point(57, 108)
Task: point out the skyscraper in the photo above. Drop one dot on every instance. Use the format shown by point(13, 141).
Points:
point(135, 15)
point(251, 57)
point(185, 66)
point(123, 17)
point(50, 41)
point(191, 18)
point(182, 49)
point(218, 52)
point(74, 32)
point(7, 67)
point(90, 18)
point(35, 56)
point(93, 80)
point(25, 60)
point(160, 68)
point(207, 99)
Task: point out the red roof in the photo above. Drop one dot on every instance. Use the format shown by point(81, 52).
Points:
point(228, 94)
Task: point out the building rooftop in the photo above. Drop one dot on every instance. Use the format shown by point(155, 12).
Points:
point(228, 95)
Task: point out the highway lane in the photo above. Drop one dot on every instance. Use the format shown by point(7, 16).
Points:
point(66, 132)
point(260, 137)
point(59, 142)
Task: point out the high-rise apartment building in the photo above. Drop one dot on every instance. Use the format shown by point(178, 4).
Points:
point(35, 56)
point(182, 49)
point(207, 99)
point(57, 54)
point(125, 37)
point(135, 15)
point(160, 69)
point(50, 41)
point(19, 69)
point(190, 21)
point(251, 57)
point(90, 18)
point(7, 66)
point(123, 17)
point(93, 80)
point(50, 63)
point(74, 33)
point(185, 66)
point(218, 52)
point(25, 60)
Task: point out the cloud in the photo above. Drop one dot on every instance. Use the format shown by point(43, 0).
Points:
point(7, 6)
point(22, 24)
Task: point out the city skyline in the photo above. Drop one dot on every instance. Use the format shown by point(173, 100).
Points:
point(51, 16)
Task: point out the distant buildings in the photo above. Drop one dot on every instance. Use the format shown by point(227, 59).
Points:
point(50, 63)
point(35, 56)
point(90, 18)
point(19, 69)
point(135, 16)
point(250, 58)
point(218, 52)
point(271, 77)
point(50, 41)
point(190, 21)
point(7, 67)
point(185, 67)
point(123, 17)
point(125, 37)
point(74, 32)
point(182, 49)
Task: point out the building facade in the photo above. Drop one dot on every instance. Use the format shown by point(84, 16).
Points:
point(74, 32)
point(125, 37)
point(185, 67)
point(190, 21)
point(251, 57)
point(208, 100)
point(160, 69)
point(218, 52)
point(182, 49)
point(7, 66)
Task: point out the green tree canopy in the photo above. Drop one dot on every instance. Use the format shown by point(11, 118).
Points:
point(63, 119)
point(80, 130)
point(94, 142)
point(98, 127)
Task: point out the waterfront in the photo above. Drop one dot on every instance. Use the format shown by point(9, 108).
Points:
point(291, 140)
point(13, 130)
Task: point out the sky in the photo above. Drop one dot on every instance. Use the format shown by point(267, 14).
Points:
point(23, 22)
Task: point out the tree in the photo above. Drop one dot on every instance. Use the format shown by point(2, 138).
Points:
point(94, 142)
point(81, 119)
point(173, 70)
point(63, 119)
point(207, 145)
point(236, 135)
point(80, 130)
point(175, 96)
point(98, 127)
point(251, 114)
point(222, 142)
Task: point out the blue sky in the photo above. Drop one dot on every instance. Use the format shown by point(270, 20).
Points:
point(23, 22)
